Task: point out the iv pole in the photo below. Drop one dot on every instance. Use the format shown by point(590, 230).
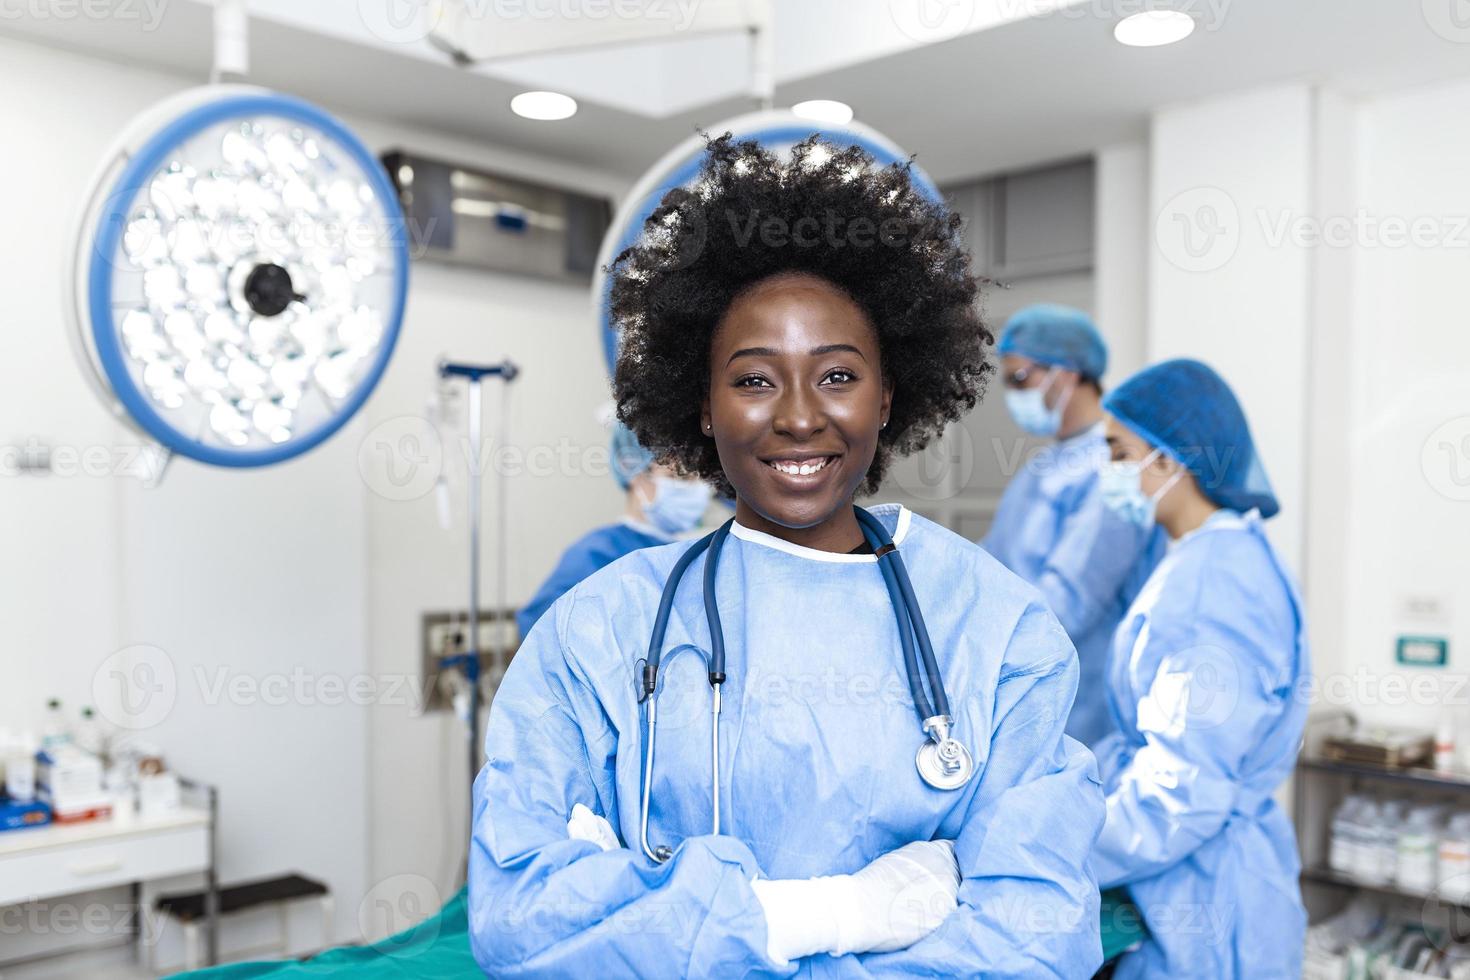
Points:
point(469, 660)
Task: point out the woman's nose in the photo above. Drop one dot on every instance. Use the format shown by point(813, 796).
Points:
point(799, 413)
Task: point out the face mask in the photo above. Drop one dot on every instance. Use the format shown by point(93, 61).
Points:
point(1122, 491)
point(1028, 407)
point(677, 505)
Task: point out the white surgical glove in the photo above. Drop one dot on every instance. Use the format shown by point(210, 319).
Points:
point(891, 904)
point(586, 825)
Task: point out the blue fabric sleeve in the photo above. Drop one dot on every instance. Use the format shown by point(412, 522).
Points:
point(586, 555)
point(1088, 567)
point(998, 540)
point(575, 564)
point(543, 905)
point(1029, 905)
point(1207, 695)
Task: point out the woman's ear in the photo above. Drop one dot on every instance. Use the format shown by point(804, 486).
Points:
point(886, 406)
point(1166, 465)
point(706, 421)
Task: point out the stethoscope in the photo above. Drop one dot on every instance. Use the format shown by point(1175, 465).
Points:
point(942, 761)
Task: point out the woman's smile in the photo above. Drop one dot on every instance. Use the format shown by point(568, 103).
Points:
point(805, 471)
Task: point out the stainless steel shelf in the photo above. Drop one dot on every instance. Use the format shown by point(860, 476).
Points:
point(1326, 876)
point(1455, 782)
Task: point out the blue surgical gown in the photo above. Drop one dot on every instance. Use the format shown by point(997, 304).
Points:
point(1053, 529)
point(593, 550)
point(817, 747)
point(1205, 684)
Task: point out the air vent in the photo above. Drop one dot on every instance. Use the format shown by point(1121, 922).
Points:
point(467, 217)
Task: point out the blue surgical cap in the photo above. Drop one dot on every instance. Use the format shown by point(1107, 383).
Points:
point(1187, 410)
point(1058, 335)
point(628, 457)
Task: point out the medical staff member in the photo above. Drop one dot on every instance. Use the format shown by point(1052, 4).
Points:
point(1051, 527)
point(660, 507)
point(789, 369)
point(1203, 684)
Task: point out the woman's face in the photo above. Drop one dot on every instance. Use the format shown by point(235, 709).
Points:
point(796, 400)
point(1126, 447)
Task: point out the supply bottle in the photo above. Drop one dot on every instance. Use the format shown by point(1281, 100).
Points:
point(1347, 836)
point(1454, 859)
point(54, 730)
point(1365, 867)
point(1444, 742)
point(1390, 818)
point(90, 735)
point(1417, 868)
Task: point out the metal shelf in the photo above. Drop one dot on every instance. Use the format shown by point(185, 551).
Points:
point(1456, 782)
point(1326, 876)
point(1336, 879)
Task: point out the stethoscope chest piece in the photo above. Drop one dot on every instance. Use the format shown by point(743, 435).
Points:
point(943, 761)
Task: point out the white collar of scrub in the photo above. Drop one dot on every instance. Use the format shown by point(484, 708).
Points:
point(1097, 430)
point(1223, 519)
point(900, 531)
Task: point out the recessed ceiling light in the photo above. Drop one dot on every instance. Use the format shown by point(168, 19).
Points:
point(824, 110)
point(543, 105)
point(1152, 28)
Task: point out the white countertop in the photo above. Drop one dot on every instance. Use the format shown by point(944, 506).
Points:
point(60, 835)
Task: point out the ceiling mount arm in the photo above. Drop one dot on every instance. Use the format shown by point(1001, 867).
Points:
point(231, 42)
point(762, 55)
point(461, 30)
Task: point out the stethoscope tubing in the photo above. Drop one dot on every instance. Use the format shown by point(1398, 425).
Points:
point(907, 613)
point(665, 607)
point(910, 618)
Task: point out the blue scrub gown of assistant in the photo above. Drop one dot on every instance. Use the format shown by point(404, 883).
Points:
point(1204, 684)
point(817, 745)
point(1054, 531)
point(593, 550)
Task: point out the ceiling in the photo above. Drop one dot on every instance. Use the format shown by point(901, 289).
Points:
point(1007, 93)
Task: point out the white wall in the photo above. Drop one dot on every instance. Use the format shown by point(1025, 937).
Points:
point(59, 588)
point(1409, 412)
point(1121, 232)
point(302, 567)
point(59, 584)
point(1221, 288)
point(1330, 493)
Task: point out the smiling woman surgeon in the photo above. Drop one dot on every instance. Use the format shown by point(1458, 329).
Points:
point(788, 327)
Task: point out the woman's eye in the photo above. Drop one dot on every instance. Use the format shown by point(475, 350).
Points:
point(840, 377)
point(752, 381)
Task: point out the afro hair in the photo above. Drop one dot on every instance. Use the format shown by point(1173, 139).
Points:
point(827, 211)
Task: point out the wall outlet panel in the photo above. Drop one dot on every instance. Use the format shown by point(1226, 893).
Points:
point(1422, 651)
point(444, 634)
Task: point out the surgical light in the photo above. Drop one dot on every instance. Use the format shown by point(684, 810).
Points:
point(545, 106)
point(238, 277)
point(1152, 28)
point(824, 110)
